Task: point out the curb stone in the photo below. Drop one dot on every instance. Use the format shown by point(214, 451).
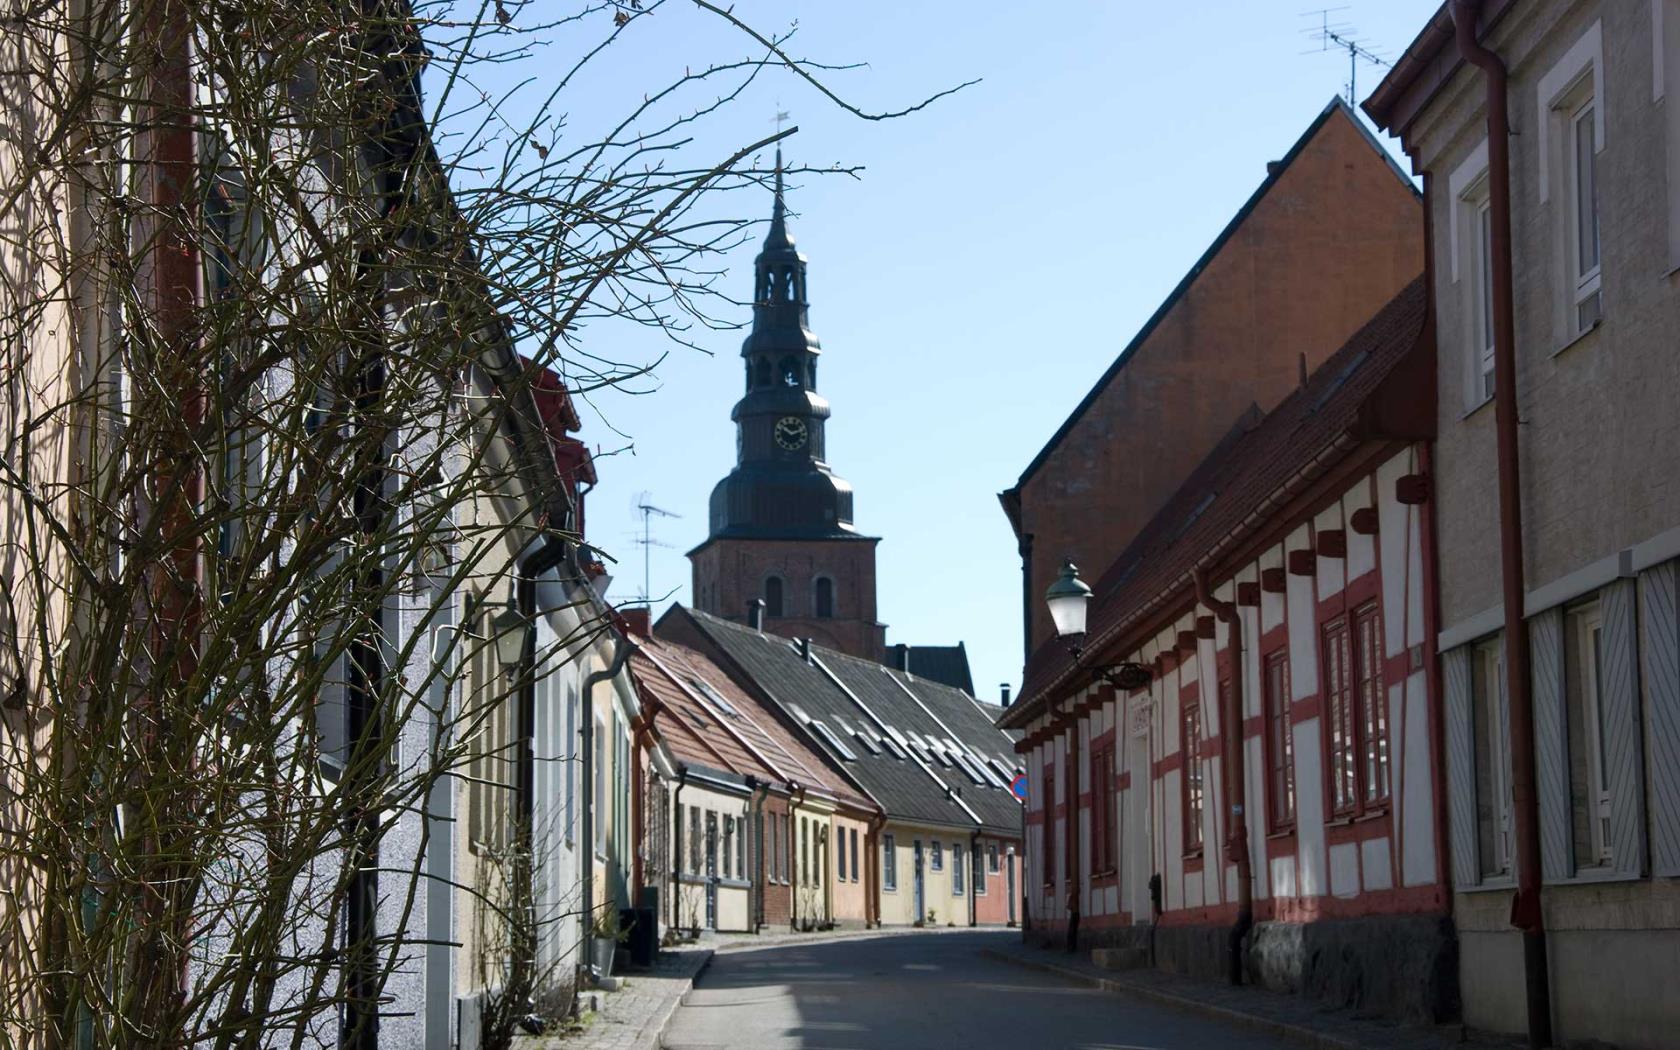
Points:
point(1296, 1033)
point(680, 999)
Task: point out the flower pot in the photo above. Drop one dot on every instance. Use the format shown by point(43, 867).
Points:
point(603, 949)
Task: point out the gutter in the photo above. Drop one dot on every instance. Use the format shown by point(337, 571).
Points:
point(620, 655)
point(1526, 913)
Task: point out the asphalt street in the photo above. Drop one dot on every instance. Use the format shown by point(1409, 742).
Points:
point(921, 990)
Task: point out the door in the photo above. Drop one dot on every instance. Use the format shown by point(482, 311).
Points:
point(1009, 866)
point(711, 870)
point(916, 878)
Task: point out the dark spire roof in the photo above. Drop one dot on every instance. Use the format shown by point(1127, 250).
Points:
point(778, 239)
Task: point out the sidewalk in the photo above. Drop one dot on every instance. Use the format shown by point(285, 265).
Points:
point(1292, 1017)
point(633, 1017)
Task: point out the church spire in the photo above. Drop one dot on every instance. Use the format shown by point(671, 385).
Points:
point(778, 239)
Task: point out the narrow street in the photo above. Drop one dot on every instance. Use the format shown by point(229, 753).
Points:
point(920, 990)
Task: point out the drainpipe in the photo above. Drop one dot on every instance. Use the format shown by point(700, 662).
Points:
point(1070, 790)
point(872, 874)
point(755, 815)
point(673, 922)
point(796, 798)
point(551, 552)
point(1525, 907)
point(976, 872)
point(1236, 777)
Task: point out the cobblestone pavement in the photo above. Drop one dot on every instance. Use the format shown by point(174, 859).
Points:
point(919, 990)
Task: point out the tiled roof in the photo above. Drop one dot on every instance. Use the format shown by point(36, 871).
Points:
point(713, 723)
point(850, 708)
point(1379, 385)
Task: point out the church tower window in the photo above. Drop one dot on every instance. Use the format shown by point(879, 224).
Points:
point(790, 372)
point(825, 598)
point(773, 596)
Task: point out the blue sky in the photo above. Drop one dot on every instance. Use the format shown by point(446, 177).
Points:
point(998, 251)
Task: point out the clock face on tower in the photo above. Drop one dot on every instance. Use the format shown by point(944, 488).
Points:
point(790, 433)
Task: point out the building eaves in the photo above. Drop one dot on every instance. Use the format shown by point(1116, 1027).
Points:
point(1344, 401)
point(1429, 62)
point(1275, 172)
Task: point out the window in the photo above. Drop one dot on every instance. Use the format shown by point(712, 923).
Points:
point(958, 883)
point(1358, 712)
point(889, 863)
point(694, 840)
point(1483, 319)
point(1048, 808)
point(980, 869)
point(1589, 785)
point(1102, 810)
point(1583, 202)
point(728, 847)
point(711, 848)
point(840, 857)
point(938, 861)
point(825, 598)
point(601, 788)
point(741, 847)
point(857, 858)
point(992, 858)
point(773, 596)
point(1490, 729)
point(1192, 779)
point(1280, 743)
point(804, 852)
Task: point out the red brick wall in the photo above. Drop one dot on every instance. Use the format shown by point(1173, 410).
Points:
point(730, 573)
point(1336, 237)
point(778, 896)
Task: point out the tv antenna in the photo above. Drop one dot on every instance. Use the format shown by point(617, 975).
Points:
point(1341, 36)
point(646, 541)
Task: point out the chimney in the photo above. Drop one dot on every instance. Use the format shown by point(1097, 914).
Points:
point(901, 657)
point(1004, 689)
point(639, 620)
point(1273, 167)
point(805, 649)
point(755, 614)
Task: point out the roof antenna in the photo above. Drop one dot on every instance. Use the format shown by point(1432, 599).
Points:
point(1341, 36)
point(647, 542)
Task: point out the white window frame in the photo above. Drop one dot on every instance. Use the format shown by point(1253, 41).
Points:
point(1472, 269)
point(1584, 632)
point(1572, 85)
point(959, 884)
point(889, 863)
point(1587, 277)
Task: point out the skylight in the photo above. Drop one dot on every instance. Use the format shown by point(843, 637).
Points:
point(833, 741)
point(712, 694)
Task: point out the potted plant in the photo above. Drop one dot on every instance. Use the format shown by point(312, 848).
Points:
point(606, 935)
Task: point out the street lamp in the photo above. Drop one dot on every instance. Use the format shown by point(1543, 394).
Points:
point(512, 630)
point(1069, 599)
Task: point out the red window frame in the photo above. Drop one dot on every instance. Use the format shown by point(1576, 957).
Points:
point(1280, 742)
point(1356, 713)
point(1103, 851)
point(1193, 797)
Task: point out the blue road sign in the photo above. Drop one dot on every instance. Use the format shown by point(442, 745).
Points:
point(1019, 786)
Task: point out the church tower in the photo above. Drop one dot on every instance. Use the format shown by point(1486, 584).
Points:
point(781, 522)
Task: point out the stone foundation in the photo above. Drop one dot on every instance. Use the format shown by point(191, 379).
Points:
point(1400, 966)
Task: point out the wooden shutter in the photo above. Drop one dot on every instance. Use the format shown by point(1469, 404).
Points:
point(1662, 684)
point(1461, 769)
point(1551, 744)
point(1623, 748)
